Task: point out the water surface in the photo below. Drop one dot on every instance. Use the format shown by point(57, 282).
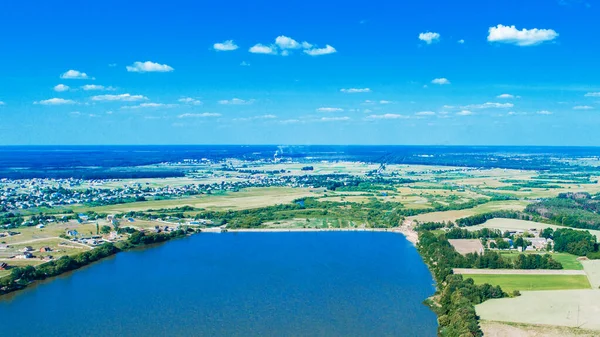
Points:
point(237, 284)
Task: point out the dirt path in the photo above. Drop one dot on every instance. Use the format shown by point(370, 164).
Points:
point(50, 238)
point(465, 271)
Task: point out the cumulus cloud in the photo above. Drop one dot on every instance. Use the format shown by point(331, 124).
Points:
point(385, 102)
point(544, 112)
point(55, 101)
point(61, 88)
point(321, 51)
point(464, 113)
point(334, 119)
point(262, 49)
point(2, 103)
point(122, 97)
point(326, 109)
point(255, 118)
point(592, 94)
point(355, 90)
point(440, 81)
point(461, 41)
point(148, 67)
point(75, 75)
point(90, 87)
point(505, 96)
point(285, 42)
point(489, 105)
point(387, 116)
point(244, 64)
point(523, 37)
point(583, 107)
point(199, 115)
point(235, 101)
point(429, 37)
point(189, 100)
point(149, 105)
point(228, 45)
point(425, 113)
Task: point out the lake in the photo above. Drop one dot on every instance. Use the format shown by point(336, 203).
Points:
point(237, 284)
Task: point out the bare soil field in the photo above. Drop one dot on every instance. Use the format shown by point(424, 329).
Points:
point(515, 224)
point(592, 269)
point(570, 308)
point(501, 329)
point(465, 246)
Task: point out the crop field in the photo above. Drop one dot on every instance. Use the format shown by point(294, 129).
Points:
point(515, 224)
point(571, 308)
point(484, 208)
point(245, 199)
point(510, 283)
point(510, 329)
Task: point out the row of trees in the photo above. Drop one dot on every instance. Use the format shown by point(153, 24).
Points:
point(456, 297)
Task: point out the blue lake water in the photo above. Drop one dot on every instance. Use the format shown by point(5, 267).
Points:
point(237, 284)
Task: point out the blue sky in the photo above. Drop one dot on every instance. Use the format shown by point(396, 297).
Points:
point(300, 72)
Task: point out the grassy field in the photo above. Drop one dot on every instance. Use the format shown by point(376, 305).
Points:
point(509, 329)
point(568, 261)
point(510, 283)
point(570, 308)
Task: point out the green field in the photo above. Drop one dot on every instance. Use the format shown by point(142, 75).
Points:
point(510, 283)
point(568, 261)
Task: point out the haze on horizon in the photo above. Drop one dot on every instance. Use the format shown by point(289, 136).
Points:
point(298, 72)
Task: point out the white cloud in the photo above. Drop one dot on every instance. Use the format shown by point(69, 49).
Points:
point(285, 42)
point(75, 113)
point(289, 121)
point(149, 105)
point(321, 51)
point(148, 67)
point(583, 107)
point(440, 81)
point(489, 105)
point(236, 101)
point(325, 109)
point(355, 90)
point(189, 100)
point(2, 103)
point(122, 97)
point(385, 102)
point(90, 87)
point(334, 119)
point(461, 41)
point(200, 115)
point(245, 64)
point(225, 46)
point(544, 112)
point(75, 75)
point(429, 37)
point(262, 49)
point(387, 116)
point(464, 113)
point(112, 65)
point(592, 94)
point(61, 88)
point(55, 101)
point(505, 96)
point(367, 111)
point(425, 113)
point(255, 118)
point(523, 37)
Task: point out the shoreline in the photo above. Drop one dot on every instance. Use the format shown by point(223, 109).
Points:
point(408, 233)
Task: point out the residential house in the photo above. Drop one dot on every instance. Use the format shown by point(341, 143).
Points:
point(3, 266)
point(45, 249)
point(27, 249)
